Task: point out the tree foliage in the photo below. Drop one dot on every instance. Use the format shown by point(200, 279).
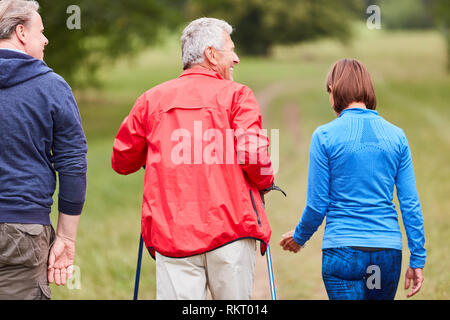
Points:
point(108, 29)
point(113, 28)
point(441, 14)
point(259, 24)
point(417, 14)
point(406, 14)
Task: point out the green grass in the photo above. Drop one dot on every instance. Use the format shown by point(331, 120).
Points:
point(408, 69)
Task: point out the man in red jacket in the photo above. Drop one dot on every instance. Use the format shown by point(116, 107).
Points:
point(206, 160)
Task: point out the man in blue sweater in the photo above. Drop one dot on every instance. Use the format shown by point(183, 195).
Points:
point(41, 134)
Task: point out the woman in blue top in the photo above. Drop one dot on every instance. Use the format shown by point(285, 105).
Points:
point(355, 161)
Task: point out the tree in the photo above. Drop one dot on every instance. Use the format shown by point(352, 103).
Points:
point(259, 24)
point(441, 14)
point(417, 14)
point(108, 29)
point(406, 14)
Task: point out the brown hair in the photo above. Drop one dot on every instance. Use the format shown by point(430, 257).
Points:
point(349, 81)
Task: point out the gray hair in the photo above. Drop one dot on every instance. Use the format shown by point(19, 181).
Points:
point(13, 13)
point(199, 35)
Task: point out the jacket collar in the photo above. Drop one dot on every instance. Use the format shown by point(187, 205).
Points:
point(201, 71)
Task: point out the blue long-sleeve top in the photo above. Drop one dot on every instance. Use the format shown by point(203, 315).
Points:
point(41, 134)
point(355, 161)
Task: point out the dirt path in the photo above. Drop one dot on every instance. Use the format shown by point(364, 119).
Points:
point(291, 111)
point(291, 117)
point(266, 96)
point(261, 286)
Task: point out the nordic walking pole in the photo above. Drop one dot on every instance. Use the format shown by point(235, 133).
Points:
point(138, 269)
point(269, 265)
point(268, 255)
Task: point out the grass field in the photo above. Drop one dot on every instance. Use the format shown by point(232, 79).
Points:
point(413, 93)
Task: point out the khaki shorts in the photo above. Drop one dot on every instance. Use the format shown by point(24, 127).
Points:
point(24, 250)
point(227, 271)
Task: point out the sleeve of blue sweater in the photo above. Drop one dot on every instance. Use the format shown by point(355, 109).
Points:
point(410, 208)
point(69, 154)
point(318, 190)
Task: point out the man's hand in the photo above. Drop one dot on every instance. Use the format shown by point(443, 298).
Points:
point(62, 253)
point(288, 242)
point(60, 261)
point(415, 275)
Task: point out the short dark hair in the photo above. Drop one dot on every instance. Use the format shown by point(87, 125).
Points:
point(349, 81)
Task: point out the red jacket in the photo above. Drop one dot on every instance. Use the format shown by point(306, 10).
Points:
point(201, 186)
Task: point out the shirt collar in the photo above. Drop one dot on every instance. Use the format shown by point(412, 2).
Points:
point(201, 71)
point(17, 50)
point(357, 111)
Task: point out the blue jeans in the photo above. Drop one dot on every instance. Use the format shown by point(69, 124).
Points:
point(353, 274)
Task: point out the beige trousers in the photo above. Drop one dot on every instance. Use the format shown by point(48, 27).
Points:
point(227, 271)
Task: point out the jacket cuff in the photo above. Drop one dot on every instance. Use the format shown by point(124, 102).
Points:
point(416, 262)
point(72, 193)
point(70, 208)
point(298, 238)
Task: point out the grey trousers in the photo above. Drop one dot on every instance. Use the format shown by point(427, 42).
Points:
point(24, 250)
point(227, 271)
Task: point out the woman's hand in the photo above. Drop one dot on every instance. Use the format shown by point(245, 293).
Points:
point(415, 275)
point(288, 243)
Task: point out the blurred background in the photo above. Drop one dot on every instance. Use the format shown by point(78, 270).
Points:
point(119, 49)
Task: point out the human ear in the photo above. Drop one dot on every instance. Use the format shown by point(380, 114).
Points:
point(210, 55)
point(20, 33)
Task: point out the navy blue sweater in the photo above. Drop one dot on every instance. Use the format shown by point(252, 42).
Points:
point(41, 134)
